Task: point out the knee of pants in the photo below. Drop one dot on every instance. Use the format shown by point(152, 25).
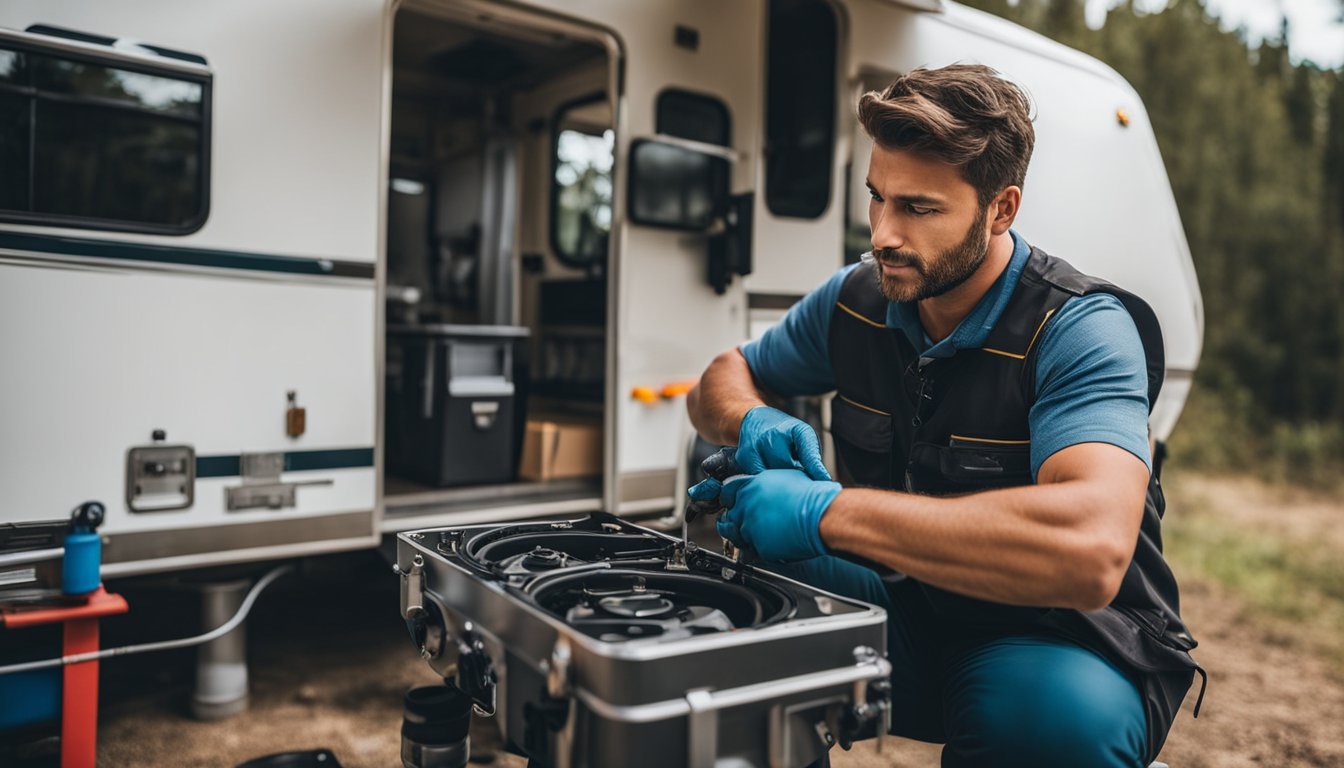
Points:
point(1060, 706)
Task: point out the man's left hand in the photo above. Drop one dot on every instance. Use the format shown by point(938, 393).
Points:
point(777, 513)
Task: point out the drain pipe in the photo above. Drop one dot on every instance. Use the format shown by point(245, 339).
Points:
point(224, 629)
point(221, 664)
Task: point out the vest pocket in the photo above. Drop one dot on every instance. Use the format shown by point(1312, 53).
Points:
point(863, 442)
point(995, 463)
point(965, 465)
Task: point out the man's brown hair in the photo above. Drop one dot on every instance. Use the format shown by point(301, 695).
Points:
point(964, 114)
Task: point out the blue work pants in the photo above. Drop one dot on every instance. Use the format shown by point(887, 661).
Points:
point(999, 697)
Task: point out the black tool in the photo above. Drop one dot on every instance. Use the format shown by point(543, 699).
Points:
point(722, 466)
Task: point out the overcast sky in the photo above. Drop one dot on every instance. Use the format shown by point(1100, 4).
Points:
point(1314, 29)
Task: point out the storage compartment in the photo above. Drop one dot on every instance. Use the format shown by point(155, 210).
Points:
point(560, 447)
point(454, 403)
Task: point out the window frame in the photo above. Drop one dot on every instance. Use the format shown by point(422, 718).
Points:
point(173, 67)
point(552, 223)
point(792, 207)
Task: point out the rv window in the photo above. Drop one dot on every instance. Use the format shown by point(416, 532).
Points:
point(800, 107)
point(693, 116)
point(101, 145)
point(581, 182)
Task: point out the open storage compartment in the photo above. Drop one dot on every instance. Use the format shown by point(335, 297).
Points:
point(498, 221)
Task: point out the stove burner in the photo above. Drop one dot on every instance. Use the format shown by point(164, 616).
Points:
point(524, 550)
point(636, 605)
point(623, 604)
point(544, 558)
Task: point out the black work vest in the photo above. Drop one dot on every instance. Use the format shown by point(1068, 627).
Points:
point(959, 425)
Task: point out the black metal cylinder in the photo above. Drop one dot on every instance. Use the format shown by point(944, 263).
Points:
point(436, 720)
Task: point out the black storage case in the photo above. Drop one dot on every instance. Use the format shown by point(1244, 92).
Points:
point(454, 403)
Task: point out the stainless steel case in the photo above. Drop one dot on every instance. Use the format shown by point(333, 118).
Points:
point(612, 647)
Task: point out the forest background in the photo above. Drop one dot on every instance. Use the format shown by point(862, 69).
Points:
point(1254, 147)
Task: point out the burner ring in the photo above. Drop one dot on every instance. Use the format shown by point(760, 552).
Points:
point(608, 601)
point(487, 551)
point(637, 605)
point(544, 557)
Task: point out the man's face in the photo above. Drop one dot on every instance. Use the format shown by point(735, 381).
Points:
point(929, 230)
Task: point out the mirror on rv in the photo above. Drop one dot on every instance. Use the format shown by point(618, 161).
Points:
point(676, 187)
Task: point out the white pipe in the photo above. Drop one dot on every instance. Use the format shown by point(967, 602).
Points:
point(162, 645)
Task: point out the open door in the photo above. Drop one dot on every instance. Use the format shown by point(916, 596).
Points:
point(686, 146)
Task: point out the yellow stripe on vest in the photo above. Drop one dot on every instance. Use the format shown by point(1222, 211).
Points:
point(868, 408)
point(861, 317)
point(1031, 344)
point(988, 440)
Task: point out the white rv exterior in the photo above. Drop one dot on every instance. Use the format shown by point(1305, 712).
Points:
point(108, 334)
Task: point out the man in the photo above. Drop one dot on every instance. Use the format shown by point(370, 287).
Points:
point(990, 421)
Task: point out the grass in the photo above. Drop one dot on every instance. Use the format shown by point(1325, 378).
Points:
point(1293, 588)
point(1218, 433)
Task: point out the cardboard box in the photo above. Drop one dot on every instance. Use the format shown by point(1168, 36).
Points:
point(561, 447)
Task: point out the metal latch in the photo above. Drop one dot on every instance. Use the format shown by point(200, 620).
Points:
point(262, 488)
point(160, 477)
point(483, 413)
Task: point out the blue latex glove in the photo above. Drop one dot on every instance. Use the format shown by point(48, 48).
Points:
point(777, 513)
point(771, 439)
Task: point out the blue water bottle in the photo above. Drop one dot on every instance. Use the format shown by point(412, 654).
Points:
point(83, 550)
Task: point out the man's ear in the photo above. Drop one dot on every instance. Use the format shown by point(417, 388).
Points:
point(1003, 209)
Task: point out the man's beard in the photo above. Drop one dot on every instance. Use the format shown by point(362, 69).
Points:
point(952, 267)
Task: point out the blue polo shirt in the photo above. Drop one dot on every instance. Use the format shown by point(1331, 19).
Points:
point(1091, 380)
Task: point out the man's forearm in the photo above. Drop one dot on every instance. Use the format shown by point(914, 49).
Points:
point(722, 397)
point(1060, 544)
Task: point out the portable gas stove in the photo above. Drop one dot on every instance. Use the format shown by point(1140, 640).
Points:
point(601, 643)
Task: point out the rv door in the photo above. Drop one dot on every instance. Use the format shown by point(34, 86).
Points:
point(688, 133)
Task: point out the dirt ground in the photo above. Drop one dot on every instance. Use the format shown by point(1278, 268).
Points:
point(330, 662)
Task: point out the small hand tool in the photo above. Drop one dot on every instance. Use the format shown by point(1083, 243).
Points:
point(722, 467)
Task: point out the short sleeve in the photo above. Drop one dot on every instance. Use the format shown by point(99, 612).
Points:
point(792, 357)
point(1091, 381)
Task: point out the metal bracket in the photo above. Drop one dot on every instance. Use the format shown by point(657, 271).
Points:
point(872, 703)
point(412, 589)
point(262, 488)
point(702, 729)
point(557, 688)
point(476, 672)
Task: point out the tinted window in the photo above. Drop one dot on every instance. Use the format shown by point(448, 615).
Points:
point(113, 164)
point(95, 145)
point(800, 108)
point(692, 116)
point(135, 89)
point(11, 66)
point(581, 191)
point(14, 143)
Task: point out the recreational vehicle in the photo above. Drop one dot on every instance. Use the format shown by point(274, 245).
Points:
point(281, 278)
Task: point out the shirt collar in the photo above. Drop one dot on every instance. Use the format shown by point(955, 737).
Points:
point(972, 331)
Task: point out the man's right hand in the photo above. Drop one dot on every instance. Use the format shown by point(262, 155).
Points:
point(772, 439)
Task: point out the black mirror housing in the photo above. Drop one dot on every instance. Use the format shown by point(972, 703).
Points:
point(676, 188)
